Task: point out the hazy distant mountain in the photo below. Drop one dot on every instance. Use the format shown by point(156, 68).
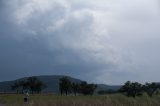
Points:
point(52, 82)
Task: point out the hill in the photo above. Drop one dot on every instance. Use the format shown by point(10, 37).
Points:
point(52, 82)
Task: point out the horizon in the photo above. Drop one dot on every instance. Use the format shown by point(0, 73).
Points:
point(56, 75)
point(74, 78)
point(108, 42)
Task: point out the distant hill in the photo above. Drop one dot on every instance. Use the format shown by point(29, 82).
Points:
point(52, 82)
point(108, 87)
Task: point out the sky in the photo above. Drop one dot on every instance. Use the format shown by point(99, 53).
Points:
point(100, 41)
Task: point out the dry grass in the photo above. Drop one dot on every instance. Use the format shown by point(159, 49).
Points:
point(53, 100)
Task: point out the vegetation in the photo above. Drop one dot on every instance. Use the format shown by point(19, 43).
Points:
point(109, 91)
point(151, 88)
point(130, 89)
point(75, 88)
point(87, 89)
point(84, 88)
point(130, 94)
point(55, 100)
point(133, 89)
point(65, 85)
point(32, 84)
point(52, 83)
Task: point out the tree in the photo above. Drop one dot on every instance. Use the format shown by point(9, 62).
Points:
point(16, 86)
point(150, 88)
point(24, 85)
point(75, 88)
point(92, 88)
point(32, 83)
point(65, 85)
point(125, 88)
point(39, 86)
point(132, 89)
point(84, 88)
point(35, 85)
point(87, 89)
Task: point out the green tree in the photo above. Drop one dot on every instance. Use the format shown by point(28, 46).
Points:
point(32, 83)
point(35, 85)
point(16, 86)
point(65, 85)
point(132, 89)
point(24, 85)
point(75, 88)
point(39, 86)
point(87, 89)
point(150, 88)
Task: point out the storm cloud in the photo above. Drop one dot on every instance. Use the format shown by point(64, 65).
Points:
point(99, 41)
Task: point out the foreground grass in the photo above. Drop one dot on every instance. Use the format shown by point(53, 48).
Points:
point(53, 100)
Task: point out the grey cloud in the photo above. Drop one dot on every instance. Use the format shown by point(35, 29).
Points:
point(101, 40)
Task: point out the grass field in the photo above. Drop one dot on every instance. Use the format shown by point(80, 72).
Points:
point(53, 100)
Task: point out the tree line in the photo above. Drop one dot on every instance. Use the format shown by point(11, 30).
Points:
point(67, 87)
point(34, 85)
point(133, 89)
point(31, 84)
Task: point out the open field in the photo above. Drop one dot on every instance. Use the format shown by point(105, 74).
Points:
point(53, 100)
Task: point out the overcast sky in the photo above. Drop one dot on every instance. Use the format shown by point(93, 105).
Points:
point(101, 41)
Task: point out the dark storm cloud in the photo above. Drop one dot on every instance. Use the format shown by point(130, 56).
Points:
point(104, 40)
point(22, 54)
